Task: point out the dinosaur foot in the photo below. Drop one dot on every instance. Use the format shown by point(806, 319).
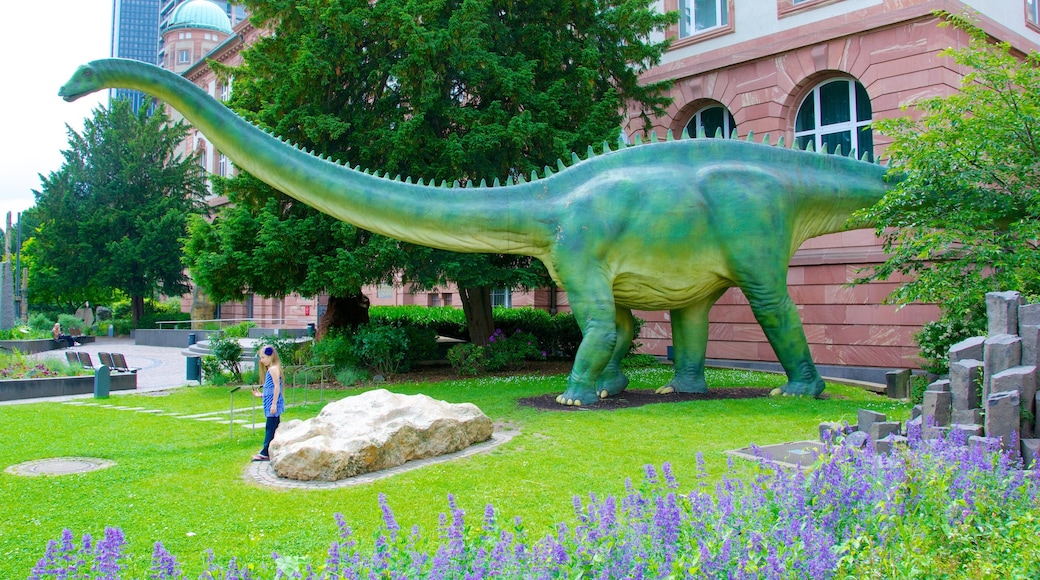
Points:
point(610, 387)
point(804, 388)
point(577, 398)
point(683, 387)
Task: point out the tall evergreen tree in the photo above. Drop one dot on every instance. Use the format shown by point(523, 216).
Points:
point(437, 89)
point(112, 217)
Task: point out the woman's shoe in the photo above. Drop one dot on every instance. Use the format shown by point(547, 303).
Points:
point(261, 457)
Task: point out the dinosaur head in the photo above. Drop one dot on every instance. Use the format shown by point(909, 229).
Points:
point(86, 80)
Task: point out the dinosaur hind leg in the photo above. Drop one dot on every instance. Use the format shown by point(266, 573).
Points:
point(612, 381)
point(690, 338)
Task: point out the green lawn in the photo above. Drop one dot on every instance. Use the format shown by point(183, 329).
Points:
point(182, 482)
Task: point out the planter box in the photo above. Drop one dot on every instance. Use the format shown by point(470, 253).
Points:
point(40, 344)
point(61, 386)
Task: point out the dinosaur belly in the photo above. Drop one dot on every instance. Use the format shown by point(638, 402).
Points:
point(666, 292)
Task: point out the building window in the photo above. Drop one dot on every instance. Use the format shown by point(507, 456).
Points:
point(433, 299)
point(446, 299)
point(710, 120)
point(384, 291)
point(788, 7)
point(225, 91)
point(502, 297)
point(1033, 14)
point(696, 16)
point(223, 165)
point(183, 56)
point(836, 114)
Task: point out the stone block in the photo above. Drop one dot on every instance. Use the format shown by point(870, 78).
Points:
point(1002, 312)
point(969, 348)
point(937, 408)
point(967, 416)
point(866, 417)
point(1003, 417)
point(935, 432)
point(897, 384)
point(889, 443)
point(917, 423)
point(1030, 452)
point(1021, 379)
point(831, 430)
point(881, 429)
point(984, 443)
point(1028, 315)
point(1001, 353)
point(915, 411)
point(857, 439)
point(942, 385)
point(966, 383)
point(1030, 336)
point(968, 429)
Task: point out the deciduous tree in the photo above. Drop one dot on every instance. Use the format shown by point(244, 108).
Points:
point(111, 219)
point(435, 89)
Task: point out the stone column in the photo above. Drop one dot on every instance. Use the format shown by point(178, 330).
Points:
point(1002, 352)
point(1002, 312)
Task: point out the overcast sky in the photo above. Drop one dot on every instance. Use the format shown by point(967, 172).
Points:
point(43, 43)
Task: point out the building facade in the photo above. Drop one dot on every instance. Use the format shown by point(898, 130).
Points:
point(818, 71)
point(814, 71)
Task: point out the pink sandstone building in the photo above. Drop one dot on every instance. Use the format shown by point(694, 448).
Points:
point(806, 70)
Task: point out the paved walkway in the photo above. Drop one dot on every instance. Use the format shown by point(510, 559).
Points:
point(160, 368)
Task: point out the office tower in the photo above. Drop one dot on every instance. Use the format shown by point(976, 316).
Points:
point(135, 35)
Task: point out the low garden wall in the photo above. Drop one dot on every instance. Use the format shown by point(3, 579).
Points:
point(38, 345)
point(61, 386)
point(178, 338)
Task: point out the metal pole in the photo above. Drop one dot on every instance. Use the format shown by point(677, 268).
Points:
point(231, 422)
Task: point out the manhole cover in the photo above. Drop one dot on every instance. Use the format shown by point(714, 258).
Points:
point(59, 466)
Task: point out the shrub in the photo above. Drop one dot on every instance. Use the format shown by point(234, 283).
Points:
point(503, 351)
point(939, 508)
point(384, 348)
point(636, 361)
point(70, 324)
point(228, 352)
point(240, 330)
point(211, 371)
point(335, 348)
point(936, 338)
point(41, 323)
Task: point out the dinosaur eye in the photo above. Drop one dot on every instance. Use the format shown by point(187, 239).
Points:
point(88, 73)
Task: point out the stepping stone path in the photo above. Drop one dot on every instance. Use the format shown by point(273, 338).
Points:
point(59, 466)
point(212, 417)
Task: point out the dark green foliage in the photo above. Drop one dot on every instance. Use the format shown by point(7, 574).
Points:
point(504, 351)
point(153, 312)
point(936, 338)
point(637, 361)
point(228, 352)
point(336, 348)
point(384, 348)
point(441, 320)
point(112, 217)
point(965, 220)
point(454, 90)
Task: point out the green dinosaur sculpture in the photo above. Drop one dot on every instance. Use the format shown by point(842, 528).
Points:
point(666, 226)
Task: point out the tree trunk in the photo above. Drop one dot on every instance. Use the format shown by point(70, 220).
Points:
point(136, 310)
point(343, 312)
point(476, 303)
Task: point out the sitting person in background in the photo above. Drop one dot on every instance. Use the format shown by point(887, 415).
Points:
point(60, 338)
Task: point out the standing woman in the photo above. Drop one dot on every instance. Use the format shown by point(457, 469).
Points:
point(273, 395)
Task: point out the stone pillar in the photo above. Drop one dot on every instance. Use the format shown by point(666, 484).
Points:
point(969, 348)
point(898, 384)
point(865, 418)
point(1002, 352)
point(7, 313)
point(966, 384)
point(1022, 380)
point(937, 408)
point(1003, 414)
point(1002, 312)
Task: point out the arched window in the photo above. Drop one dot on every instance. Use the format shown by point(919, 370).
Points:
point(711, 119)
point(836, 114)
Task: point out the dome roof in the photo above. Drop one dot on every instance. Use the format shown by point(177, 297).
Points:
point(200, 14)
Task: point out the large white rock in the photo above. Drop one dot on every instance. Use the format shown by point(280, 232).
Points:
point(374, 431)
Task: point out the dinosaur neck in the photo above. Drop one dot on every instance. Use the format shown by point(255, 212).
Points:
point(487, 220)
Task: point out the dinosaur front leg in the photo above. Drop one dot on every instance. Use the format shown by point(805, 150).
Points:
point(690, 345)
point(594, 310)
point(612, 381)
